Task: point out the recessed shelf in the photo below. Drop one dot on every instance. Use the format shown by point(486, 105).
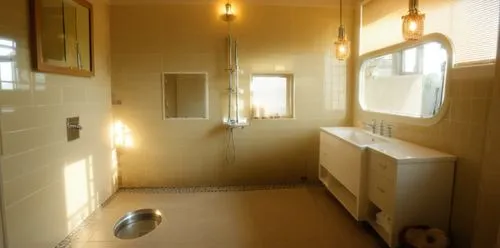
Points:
point(372, 220)
point(343, 195)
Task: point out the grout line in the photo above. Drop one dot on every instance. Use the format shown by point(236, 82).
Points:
point(208, 189)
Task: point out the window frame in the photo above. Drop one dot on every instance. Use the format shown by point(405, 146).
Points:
point(421, 121)
point(419, 63)
point(290, 96)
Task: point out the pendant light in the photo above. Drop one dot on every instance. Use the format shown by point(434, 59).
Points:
point(228, 15)
point(342, 45)
point(413, 22)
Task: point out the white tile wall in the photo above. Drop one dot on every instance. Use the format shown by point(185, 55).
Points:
point(487, 222)
point(191, 38)
point(36, 160)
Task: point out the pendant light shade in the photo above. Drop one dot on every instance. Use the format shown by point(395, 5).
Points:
point(342, 45)
point(229, 15)
point(413, 22)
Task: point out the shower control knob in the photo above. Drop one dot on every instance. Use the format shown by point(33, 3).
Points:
point(75, 126)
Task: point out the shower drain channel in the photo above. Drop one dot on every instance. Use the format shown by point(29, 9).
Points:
point(137, 224)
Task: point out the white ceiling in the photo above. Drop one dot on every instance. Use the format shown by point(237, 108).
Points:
point(262, 2)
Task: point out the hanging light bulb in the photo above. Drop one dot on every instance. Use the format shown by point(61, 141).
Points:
point(413, 22)
point(342, 45)
point(229, 15)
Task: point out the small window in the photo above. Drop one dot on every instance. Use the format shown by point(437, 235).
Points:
point(272, 96)
point(410, 61)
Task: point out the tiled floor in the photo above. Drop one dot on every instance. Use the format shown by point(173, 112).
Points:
point(289, 218)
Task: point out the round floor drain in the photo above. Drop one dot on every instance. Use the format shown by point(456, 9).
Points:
point(137, 224)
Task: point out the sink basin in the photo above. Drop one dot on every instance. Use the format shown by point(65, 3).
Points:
point(397, 149)
point(356, 136)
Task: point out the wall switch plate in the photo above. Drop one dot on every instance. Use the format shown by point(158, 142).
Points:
point(73, 128)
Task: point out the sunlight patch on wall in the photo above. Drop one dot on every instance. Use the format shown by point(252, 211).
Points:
point(76, 192)
point(122, 135)
point(114, 167)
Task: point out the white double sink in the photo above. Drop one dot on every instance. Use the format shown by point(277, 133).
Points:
point(398, 149)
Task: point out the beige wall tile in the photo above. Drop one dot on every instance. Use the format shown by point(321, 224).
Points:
point(40, 188)
point(191, 38)
point(487, 225)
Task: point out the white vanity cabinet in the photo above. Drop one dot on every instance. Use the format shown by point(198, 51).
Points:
point(408, 191)
point(390, 183)
point(340, 171)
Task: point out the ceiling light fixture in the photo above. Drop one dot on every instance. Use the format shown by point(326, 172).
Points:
point(413, 22)
point(228, 15)
point(342, 45)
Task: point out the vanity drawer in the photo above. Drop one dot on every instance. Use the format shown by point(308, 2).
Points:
point(327, 141)
point(381, 191)
point(382, 165)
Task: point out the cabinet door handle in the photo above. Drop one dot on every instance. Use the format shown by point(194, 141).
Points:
point(381, 190)
point(383, 166)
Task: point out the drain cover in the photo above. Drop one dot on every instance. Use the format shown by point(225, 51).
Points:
point(137, 224)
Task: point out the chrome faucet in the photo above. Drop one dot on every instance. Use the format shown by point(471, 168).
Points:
point(373, 126)
point(381, 128)
point(389, 131)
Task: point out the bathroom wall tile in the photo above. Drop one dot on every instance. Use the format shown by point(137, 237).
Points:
point(52, 96)
point(19, 118)
point(137, 63)
point(16, 98)
point(73, 95)
point(48, 214)
point(17, 142)
point(482, 89)
point(487, 224)
point(193, 152)
point(97, 95)
point(35, 154)
point(480, 108)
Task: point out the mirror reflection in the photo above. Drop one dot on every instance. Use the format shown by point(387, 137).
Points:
point(8, 75)
point(185, 95)
point(409, 82)
point(64, 36)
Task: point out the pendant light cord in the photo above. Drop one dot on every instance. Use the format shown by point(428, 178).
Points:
point(340, 12)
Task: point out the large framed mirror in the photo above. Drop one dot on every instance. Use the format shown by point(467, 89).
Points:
point(62, 37)
point(185, 96)
point(407, 80)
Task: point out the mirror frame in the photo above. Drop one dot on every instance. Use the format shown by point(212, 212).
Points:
point(434, 37)
point(36, 42)
point(207, 97)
